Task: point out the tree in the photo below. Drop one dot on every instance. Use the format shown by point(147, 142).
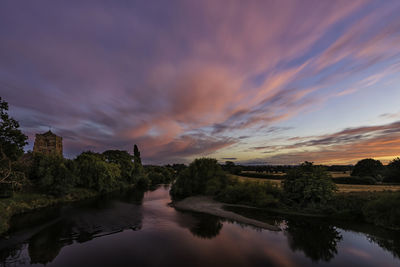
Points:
point(95, 173)
point(52, 174)
point(124, 161)
point(392, 174)
point(12, 140)
point(232, 168)
point(136, 155)
point(203, 176)
point(309, 185)
point(368, 167)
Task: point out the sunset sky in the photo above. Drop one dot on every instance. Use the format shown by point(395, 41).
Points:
point(269, 82)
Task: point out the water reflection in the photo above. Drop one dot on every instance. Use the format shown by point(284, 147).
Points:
point(58, 235)
point(79, 222)
point(206, 227)
point(317, 240)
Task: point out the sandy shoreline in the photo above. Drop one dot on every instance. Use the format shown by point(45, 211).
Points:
point(207, 205)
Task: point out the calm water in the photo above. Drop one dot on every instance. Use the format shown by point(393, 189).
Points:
point(140, 229)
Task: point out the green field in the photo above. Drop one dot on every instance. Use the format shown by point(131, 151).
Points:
point(342, 187)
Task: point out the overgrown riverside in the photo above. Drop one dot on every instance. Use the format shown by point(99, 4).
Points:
point(30, 181)
point(307, 190)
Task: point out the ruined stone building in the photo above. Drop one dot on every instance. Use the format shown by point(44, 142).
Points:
point(48, 143)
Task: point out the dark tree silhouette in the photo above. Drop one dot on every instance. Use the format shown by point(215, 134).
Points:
point(368, 167)
point(12, 140)
point(136, 155)
point(392, 174)
point(317, 240)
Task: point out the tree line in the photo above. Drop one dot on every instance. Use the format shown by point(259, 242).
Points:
point(56, 175)
point(306, 188)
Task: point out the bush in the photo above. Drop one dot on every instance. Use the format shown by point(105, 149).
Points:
point(258, 194)
point(143, 182)
point(203, 176)
point(392, 174)
point(155, 177)
point(367, 180)
point(160, 175)
point(309, 185)
point(52, 174)
point(368, 167)
point(6, 190)
point(384, 211)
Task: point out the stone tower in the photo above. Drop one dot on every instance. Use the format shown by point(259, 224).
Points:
point(48, 143)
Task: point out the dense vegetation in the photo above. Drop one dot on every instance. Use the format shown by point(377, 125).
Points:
point(51, 178)
point(309, 185)
point(257, 194)
point(308, 188)
point(368, 167)
point(203, 176)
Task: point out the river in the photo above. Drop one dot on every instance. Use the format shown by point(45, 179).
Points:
point(140, 229)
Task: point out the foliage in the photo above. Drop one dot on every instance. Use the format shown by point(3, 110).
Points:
point(12, 140)
point(124, 160)
point(143, 181)
point(367, 180)
point(262, 175)
point(52, 174)
point(136, 155)
point(309, 185)
point(384, 211)
point(232, 168)
point(368, 167)
point(392, 174)
point(178, 167)
point(95, 173)
point(23, 202)
point(258, 194)
point(321, 245)
point(203, 176)
point(160, 175)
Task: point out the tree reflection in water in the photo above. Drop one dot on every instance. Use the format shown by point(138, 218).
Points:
point(317, 240)
point(207, 226)
point(41, 242)
point(94, 218)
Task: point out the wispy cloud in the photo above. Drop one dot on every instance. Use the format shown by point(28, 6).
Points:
point(183, 79)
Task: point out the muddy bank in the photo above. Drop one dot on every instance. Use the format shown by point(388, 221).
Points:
point(207, 205)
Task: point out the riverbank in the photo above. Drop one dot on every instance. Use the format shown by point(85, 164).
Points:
point(205, 204)
point(26, 202)
point(377, 208)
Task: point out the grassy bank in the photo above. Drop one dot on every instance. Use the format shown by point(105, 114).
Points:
point(25, 202)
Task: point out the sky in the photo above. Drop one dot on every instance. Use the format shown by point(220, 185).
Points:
point(255, 82)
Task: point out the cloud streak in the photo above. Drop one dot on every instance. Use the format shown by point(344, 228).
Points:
point(185, 79)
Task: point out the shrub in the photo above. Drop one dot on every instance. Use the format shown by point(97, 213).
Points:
point(52, 174)
point(155, 177)
point(309, 185)
point(384, 211)
point(367, 180)
point(160, 175)
point(203, 176)
point(258, 194)
point(143, 182)
point(392, 174)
